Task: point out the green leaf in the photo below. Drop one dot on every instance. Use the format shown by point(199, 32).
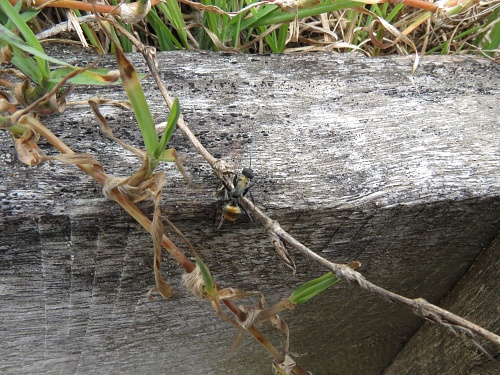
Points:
point(92, 76)
point(312, 288)
point(9, 37)
point(28, 35)
point(490, 37)
point(207, 277)
point(270, 15)
point(283, 30)
point(175, 112)
point(169, 155)
point(22, 61)
point(125, 42)
point(166, 39)
point(138, 101)
point(173, 13)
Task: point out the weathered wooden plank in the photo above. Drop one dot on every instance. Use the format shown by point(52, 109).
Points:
point(349, 157)
point(475, 297)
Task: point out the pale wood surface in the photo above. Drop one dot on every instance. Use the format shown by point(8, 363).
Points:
point(350, 157)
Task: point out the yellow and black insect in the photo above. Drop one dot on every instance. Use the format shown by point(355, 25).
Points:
point(242, 184)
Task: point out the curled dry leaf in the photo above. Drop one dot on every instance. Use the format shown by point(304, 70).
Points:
point(280, 324)
point(201, 284)
point(216, 10)
point(103, 124)
point(288, 5)
point(254, 317)
point(162, 287)
point(293, 5)
point(193, 281)
point(29, 153)
point(27, 149)
point(279, 246)
point(21, 90)
point(251, 312)
point(5, 106)
point(57, 104)
point(8, 102)
point(214, 37)
point(74, 158)
point(133, 12)
point(111, 183)
point(134, 187)
point(394, 31)
point(8, 97)
point(125, 104)
point(179, 163)
point(232, 293)
point(5, 54)
point(113, 76)
point(284, 368)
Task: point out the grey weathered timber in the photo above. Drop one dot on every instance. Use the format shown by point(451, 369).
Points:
point(475, 297)
point(350, 157)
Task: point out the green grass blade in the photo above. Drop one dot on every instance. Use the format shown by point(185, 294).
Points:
point(312, 288)
point(125, 42)
point(173, 13)
point(166, 40)
point(207, 277)
point(282, 33)
point(271, 40)
point(493, 40)
point(10, 38)
point(175, 112)
point(28, 35)
point(22, 61)
point(278, 16)
point(92, 76)
point(262, 12)
point(395, 11)
point(235, 30)
point(26, 16)
point(211, 22)
point(138, 101)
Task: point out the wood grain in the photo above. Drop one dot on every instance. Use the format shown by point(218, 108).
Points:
point(475, 298)
point(349, 156)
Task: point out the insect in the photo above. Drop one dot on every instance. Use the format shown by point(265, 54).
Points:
point(242, 184)
point(231, 201)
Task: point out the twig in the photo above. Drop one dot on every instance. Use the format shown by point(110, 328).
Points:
point(63, 27)
point(419, 306)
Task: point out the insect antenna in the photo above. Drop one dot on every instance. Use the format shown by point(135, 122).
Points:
point(251, 150)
